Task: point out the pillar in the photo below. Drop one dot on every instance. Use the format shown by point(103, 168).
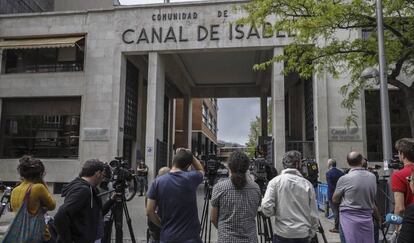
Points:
point(155, 107)
point(188, 121)
point(320, 111)
point(263, 114)
point(278, 110)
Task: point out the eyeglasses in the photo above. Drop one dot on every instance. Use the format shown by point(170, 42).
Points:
point(409, 179)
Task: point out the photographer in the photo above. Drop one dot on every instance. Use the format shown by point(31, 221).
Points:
point(80, 218)
point(175, 196)
point(402, 194)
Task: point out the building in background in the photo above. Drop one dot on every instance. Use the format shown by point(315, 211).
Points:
point(224, 149)
point(25, 6)
point(108, 82)
point(204, 126)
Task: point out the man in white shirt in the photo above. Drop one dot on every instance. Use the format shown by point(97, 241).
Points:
point(291, 199)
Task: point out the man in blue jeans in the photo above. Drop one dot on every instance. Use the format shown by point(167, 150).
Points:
point(174, 194)
point(332, 177)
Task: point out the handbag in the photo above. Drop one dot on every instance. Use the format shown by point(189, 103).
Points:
point(25, 227)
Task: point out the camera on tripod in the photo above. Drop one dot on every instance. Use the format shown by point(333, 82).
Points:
point(310, 171)
point(214, 169)
point(258, 169)
point(395, 163)
point(123, 177)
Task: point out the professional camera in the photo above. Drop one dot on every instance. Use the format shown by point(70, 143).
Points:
point(396, 164)
point(258, 170)
point(123, 178)
point(214, 169)
point(310, 171)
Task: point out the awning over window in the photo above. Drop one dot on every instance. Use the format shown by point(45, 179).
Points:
point(51, 42)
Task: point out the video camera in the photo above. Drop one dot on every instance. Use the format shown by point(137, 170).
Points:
point(122, 176)
point(214, 169)
point(258, 169)
point(310, 171)
point(395, 163)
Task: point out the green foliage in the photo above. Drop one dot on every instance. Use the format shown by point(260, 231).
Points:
point(256, 131)
point(324, 41)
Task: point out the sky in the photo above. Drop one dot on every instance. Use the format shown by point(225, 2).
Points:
point(234, 115)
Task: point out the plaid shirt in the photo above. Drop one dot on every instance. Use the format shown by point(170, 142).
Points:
point(237, 211)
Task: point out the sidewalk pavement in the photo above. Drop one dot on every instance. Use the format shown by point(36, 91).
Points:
point(137, 213)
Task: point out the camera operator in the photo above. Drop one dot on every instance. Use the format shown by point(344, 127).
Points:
point(80, 218)
point(402, 194)
point(175, 196)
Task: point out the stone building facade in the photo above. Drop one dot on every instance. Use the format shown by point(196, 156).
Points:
point(105, 83)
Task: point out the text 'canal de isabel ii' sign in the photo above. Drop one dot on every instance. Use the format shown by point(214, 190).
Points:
point(164, 29)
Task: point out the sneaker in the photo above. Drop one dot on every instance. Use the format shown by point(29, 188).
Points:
point(334, 230)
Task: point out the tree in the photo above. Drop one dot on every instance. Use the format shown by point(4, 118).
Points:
point(256, 131)
point(316, 46)
point(253, 137)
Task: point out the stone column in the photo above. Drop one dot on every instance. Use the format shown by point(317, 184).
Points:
point(138, 141)
point(320, 111)
point(188, 121)
point(278, 109)
point(171, 130)
point(155, 107)
point(263, 114)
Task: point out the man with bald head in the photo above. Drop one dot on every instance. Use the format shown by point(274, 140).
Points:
point(332, 176)
point(355, 192)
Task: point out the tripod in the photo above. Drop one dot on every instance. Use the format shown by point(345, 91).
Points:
point(205, 224)
point(264, 224)
point(264, 228)
point(322, 232)
point(116, 216)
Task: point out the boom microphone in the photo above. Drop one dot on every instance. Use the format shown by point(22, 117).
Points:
point(393, 219)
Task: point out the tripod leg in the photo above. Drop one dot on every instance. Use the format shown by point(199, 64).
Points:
point(209, 232)
point(269, 223)
point(259, 227)
point(117, 215)
point(322, 231)
point(128, 220)
point(205, 208)
point(108, 229)
point(206, 220)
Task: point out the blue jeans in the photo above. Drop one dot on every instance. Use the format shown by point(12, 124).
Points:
point(280, 239)
point(143, 184)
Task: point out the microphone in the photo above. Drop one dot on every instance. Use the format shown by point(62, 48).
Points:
point(393, 219)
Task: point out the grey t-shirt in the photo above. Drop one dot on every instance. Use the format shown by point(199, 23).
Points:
point(358, 189)
point(237, 211)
